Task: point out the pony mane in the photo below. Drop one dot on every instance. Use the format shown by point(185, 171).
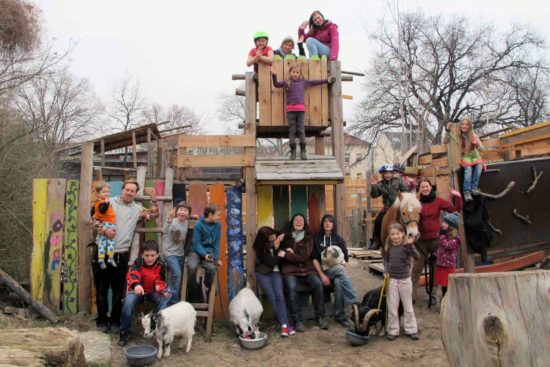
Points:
point(409, 201)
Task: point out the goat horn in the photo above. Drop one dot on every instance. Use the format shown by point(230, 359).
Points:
point(356, 314)
point(367, 317)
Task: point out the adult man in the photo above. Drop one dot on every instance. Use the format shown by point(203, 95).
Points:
point(128, 213)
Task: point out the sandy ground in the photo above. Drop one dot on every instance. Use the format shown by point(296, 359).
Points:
point(315, 347)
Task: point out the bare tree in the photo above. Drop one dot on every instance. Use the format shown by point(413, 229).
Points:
point(432, 70)
point(176, 116)
point(127, 104)
point(58, 108)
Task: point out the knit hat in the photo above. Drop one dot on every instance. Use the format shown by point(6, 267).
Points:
point(288, 39)
point(452, 219)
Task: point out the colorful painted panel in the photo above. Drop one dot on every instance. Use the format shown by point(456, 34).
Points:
point(316, 206)
point(298, 199)
point(234, 241)
point(281, 206)
point(39, 200)
point(197, 198)
point(264, 201)
point(70, 248)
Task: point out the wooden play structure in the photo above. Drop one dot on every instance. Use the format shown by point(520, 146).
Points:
point(268, 192)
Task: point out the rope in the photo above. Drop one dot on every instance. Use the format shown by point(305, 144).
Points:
point(384, 285)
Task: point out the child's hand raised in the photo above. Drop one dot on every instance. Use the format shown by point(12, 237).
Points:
point(373, 180)
point(171, 214)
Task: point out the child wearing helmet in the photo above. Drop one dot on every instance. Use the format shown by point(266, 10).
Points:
point(447, 250)
point(262, 53)
point(399, 172)
point(388, 188)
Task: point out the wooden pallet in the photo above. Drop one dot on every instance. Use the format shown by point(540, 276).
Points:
point(366, 254)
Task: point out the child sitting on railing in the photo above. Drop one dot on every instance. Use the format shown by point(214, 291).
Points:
point(295, 107)
point(262, 53)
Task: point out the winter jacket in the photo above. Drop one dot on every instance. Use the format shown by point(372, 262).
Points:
point(397, 260)
point(103, 211)
point(301, 51)
point(266, 262)
point(300, 262)
point(328, 35)
point(447, 251)
point(206, 238)
point(295, 89)
point(388, 190)
point(321, 242)
point(430, 214)
point(151, 277)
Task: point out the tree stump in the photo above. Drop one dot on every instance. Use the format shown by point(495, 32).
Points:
point(497, 319)
point(41, 347)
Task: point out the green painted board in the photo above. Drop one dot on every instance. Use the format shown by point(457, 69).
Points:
point(55, 222)
point(39, 200)
point(70, 249)
point(298, 200)
point(281, 206)
point(264, 202)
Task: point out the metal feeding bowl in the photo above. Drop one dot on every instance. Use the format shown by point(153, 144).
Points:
point(356, 339)
point(140, 355)
point(257, 343)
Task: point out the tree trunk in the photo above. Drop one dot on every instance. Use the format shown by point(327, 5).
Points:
point(497, 319)
point(55, 346)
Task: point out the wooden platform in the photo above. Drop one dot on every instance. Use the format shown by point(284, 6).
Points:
point(317, 169)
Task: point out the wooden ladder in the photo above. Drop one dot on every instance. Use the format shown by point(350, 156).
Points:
point(205, 310)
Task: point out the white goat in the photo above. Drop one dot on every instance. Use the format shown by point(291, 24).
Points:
point(245, 310)
point(176, 320)
point(332, 256)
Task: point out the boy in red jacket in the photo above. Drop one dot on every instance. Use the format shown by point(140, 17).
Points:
point(146, 280)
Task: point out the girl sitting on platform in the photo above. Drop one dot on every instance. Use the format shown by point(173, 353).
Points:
point(322, 37)
point(295, 107)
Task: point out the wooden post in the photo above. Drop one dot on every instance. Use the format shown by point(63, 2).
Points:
point(134, 152)
point(149, 153)
point(319, 145)
point(84, 235)
point(337, 132)
point(102, 147)
point(497, 319)
point(454, 156)
point(250, 181)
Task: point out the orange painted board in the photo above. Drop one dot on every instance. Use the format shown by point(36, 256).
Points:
point(217, 196)
point(197, 198)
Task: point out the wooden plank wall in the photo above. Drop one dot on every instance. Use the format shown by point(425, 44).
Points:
point(264, 90)
point(316, 206)
point(197, 197)
point(278, 94)
point(39, 200)
point(281, 206)
point(264, 200)
point(298, 200)
point(354, 186)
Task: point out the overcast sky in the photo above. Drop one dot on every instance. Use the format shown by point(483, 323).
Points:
point(184, 52)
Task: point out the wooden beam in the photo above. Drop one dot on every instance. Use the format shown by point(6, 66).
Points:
point(102, 149)
point(202, 141)
point(250, 182)
point(234, 160)
point(113, 169)
point(237, 77)
point(298, 182)
point(320, 145)
point(149, 153)
point(525, 129)
point(134, 152)
point(84, 255)
point(176, 128)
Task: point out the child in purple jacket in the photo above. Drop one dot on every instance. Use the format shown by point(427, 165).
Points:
point(447, 250)
point(295, 107)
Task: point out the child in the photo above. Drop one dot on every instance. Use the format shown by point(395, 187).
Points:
point(471, 159)
point(388, 188)
point(205, 248)
point(262, 53)
point(397, 264)
point(344, 294)
point(447, 250)
point(146, 279)
point(399, 172)
point(295, 107)
point(287, 45)
point(103, 216)
point(175, 236)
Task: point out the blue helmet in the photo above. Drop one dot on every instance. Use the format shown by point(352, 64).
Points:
point(399, 167)
point(386, 168)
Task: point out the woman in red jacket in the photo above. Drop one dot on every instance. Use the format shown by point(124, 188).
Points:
point(322, 37)
point(429, 224)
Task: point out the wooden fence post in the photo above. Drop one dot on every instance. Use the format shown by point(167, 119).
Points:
point(84, 235)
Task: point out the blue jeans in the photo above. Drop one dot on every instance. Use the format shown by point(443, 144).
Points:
point(130, 302)
point(343, 290)
point(313, 280)
point(317, 48)
point(272, 285)
point(472, 175)
point(175, 267)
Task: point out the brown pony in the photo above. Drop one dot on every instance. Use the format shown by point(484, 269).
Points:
point(405, 211)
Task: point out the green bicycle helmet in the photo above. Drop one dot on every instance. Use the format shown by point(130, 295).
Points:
point(261, 35)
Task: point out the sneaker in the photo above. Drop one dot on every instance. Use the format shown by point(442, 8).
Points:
point(284, 331)
point(468, 196)
point(124, 338)
point(391, 337)
point(414, 336)
point(322, 323)
point(300, 327)
point(291, 330)
point(342, 322)
point(476, 192)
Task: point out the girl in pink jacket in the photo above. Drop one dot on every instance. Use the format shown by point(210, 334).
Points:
point(322, 37)
point(447, 250)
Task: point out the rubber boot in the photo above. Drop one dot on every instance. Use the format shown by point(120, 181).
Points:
point(292, 152)
point(303, 152)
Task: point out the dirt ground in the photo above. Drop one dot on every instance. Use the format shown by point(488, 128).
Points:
point(315, 347)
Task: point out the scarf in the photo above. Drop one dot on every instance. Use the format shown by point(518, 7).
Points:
point(427, 198)
point(298, 236)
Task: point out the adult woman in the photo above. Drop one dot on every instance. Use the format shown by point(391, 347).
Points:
point(268, 274)
point(429, 225)
point(297, 267)
point(322, 37)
